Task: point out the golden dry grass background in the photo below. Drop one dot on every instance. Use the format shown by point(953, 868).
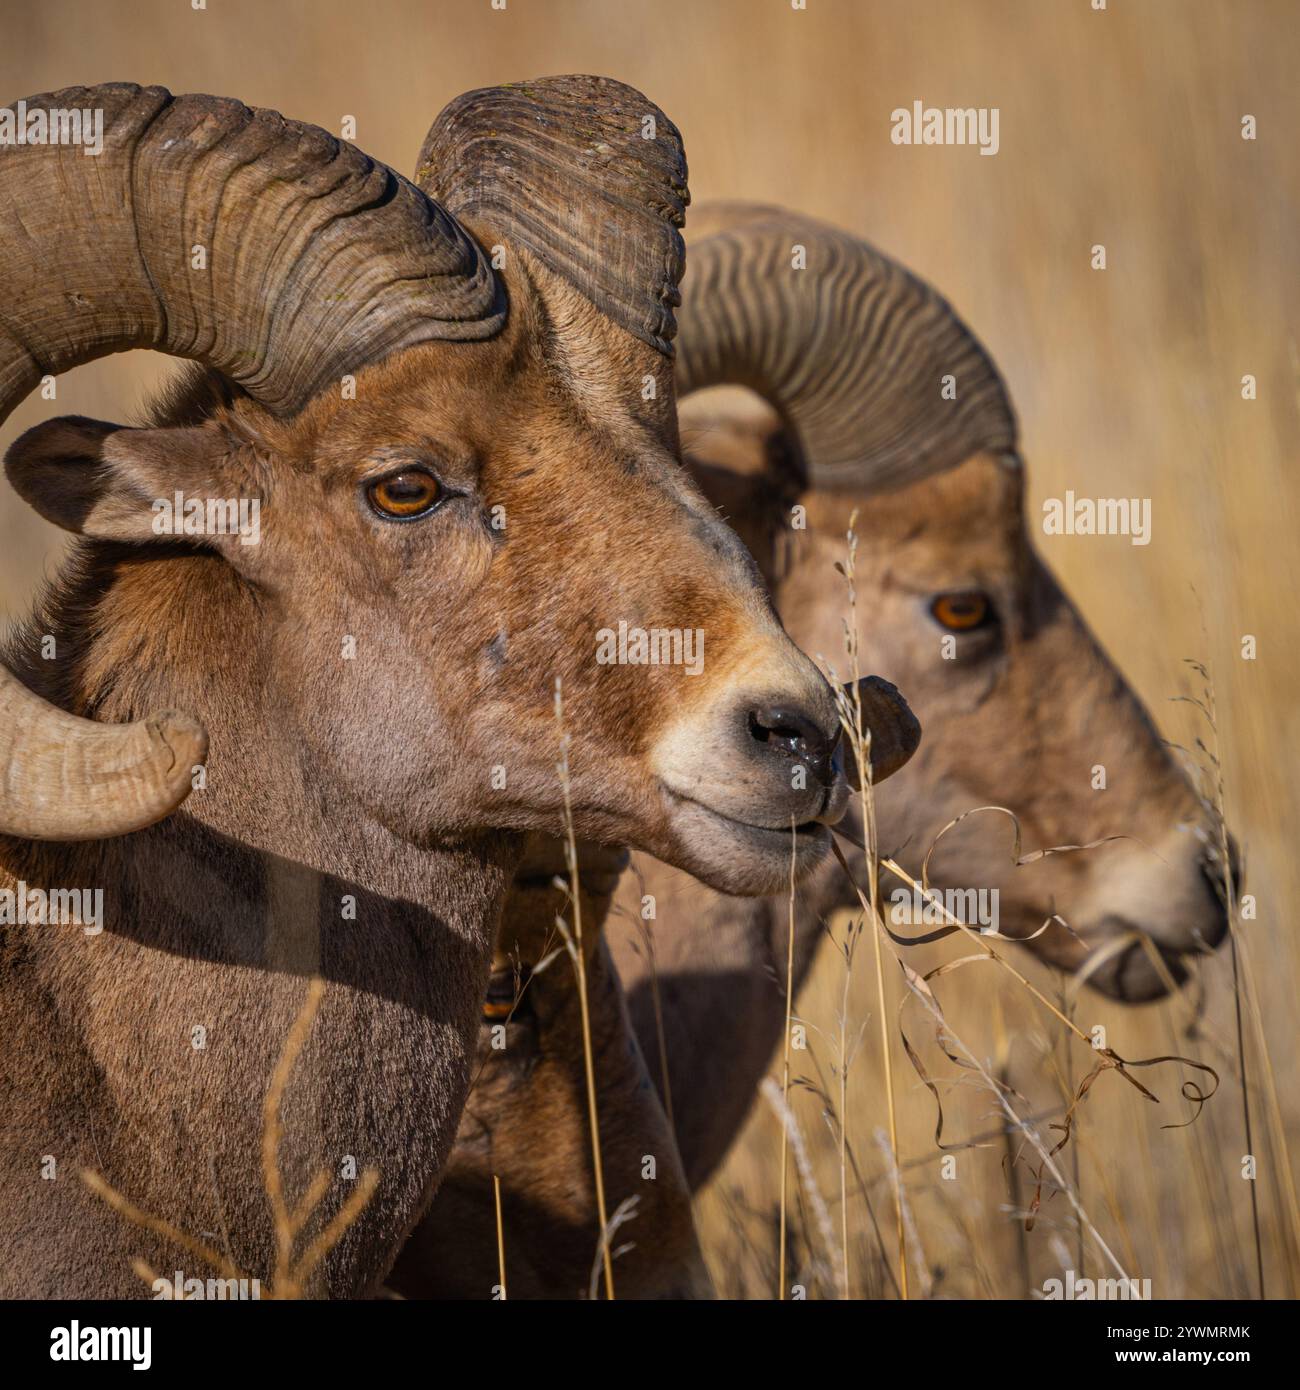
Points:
point(1119, 127)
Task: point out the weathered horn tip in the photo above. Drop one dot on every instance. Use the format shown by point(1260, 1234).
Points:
point(183, 735)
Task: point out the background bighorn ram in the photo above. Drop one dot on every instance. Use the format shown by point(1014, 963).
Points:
point(351, 826)
point(1006, 722)
point(850, 354)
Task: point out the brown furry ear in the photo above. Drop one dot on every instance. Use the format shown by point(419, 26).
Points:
point(107, 481)
point(57, 469)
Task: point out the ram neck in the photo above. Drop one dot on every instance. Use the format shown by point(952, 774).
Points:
point(149, 1046)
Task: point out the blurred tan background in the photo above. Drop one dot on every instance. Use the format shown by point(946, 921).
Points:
point(1120, 127)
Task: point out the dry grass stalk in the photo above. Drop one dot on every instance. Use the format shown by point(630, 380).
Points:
point(159, 1227)
point(917, 1258)
point(501, 1240)
point(272, 1130)
point(785, 1078)
point(289, 1280)
point(847, 1050)
point(859, 739)
point(647, 942)
point(1108, 1057)
point(576, 953)
point(1243, 973)
point(807, 1177)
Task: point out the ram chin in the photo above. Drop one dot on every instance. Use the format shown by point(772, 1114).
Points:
point(737, 857)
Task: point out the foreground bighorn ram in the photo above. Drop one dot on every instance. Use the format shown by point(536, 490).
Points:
point(439, 542)
point(851, 354)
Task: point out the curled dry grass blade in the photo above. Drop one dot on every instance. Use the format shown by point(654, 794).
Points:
point(1107, 1058)
point(982, 938)
point(922, 991)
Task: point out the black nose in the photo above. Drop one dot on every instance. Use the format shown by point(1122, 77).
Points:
point(792, 734)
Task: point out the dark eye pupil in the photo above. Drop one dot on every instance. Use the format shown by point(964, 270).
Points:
point(406, 489)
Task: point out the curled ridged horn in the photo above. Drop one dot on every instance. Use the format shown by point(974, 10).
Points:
point(66, 778)
point(852, 350)
point(206, 229)
point(586, 173)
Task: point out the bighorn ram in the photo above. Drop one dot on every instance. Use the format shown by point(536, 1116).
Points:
point(376, 677)
point(851, 355)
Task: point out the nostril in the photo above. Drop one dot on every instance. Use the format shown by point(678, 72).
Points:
point(794, 735)
point(772, 724)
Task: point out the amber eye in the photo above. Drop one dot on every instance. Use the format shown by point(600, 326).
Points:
point(405, 495)
point(962, 612)
point(507, 994)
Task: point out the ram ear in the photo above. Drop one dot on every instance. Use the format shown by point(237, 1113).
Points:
point(895, 731)
point(113, 483)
